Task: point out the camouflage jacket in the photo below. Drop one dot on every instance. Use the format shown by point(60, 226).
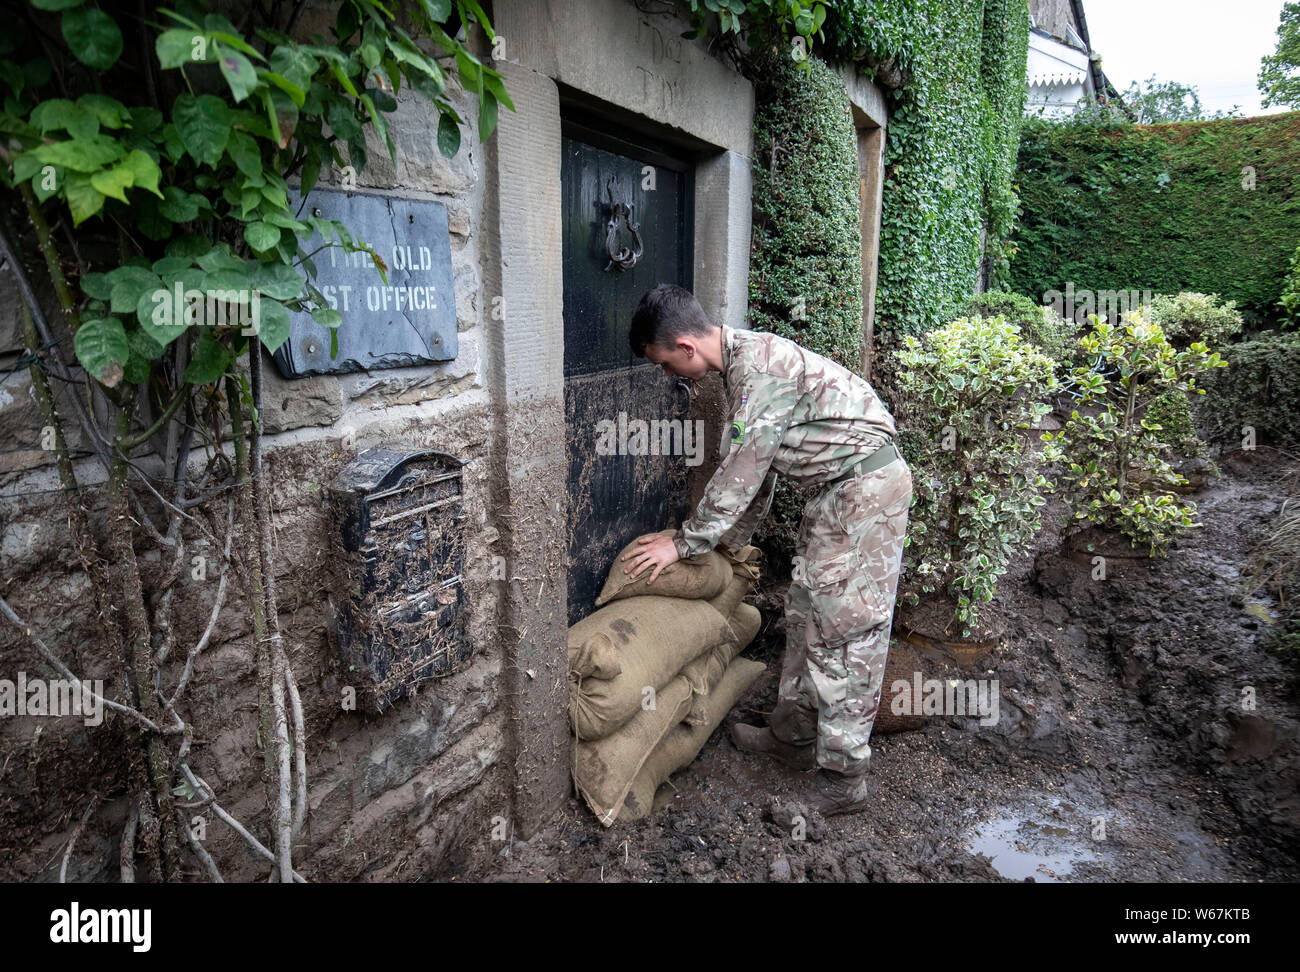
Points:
point(794, 414)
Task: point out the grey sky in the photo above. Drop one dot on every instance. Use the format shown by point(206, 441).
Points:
point(1213, 45)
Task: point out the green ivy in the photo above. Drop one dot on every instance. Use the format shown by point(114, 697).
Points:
point(1209, 206)
point(951, 143)
point(954, 77)
point(805, 269)
point(193, 192)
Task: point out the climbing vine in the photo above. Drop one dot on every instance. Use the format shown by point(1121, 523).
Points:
point(149, 153)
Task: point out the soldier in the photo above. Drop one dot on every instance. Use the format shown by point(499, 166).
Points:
point(802, 416)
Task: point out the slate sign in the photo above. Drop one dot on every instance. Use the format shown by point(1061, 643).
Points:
point(410, 320)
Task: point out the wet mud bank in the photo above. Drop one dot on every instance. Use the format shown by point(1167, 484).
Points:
point(1146, 732)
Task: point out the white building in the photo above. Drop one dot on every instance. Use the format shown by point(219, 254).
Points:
point(1062, 65)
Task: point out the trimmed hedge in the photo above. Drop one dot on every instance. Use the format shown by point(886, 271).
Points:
point(1164, 208)
point(1260, 388)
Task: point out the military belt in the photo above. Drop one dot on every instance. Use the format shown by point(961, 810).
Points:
point(882, 457)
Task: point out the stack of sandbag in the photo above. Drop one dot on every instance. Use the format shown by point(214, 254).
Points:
point(655, 659)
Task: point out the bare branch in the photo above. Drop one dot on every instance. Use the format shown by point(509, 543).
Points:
point(72, 841)
point(63, 670)
point(201, 787)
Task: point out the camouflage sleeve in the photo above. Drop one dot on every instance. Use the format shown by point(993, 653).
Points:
point(738, 536)
point(762, 408)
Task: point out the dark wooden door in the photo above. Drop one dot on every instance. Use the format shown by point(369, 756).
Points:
point(614, 498)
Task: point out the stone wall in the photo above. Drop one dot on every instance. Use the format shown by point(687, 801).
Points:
point(482, 755)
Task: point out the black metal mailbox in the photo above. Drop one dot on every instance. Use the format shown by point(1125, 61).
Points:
point(400, 618)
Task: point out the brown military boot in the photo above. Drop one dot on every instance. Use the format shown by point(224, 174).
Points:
point(756, 739)
point(834, 793)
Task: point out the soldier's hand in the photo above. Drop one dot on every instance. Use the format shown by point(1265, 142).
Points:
point(656, 551)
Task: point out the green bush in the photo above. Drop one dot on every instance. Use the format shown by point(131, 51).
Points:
point(1054, 335)
point(1188, 317)
point(1290, 301)
point(1257, 397)
point(1114, 469)
point(976, 387)
point(1170, 416)
point(805, 270)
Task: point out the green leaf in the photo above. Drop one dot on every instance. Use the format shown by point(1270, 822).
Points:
point(209, 361)
point(204, 126)
point(220, 257)
point(144, 171)
point(295, 65)
point(243, 149)
point(159, 318)
point(128, 285)
point(176, 48)
point(238, 72)
point(277, 280)
point(448, 136)
point(144, 350)
point(273, 324)
point(282, 113)
point(84, 200)
point(295, 93)
point(487, 117)
point(56, 4)
point(172, 264)
point(93, 36)
point(231, 39)
point(261, 236)
point(114, 182)
point(327, 317)
point(179, 206)
point(88, 154)
point(110, 112)
point(97, 285)
point(102, 349)
point(60, 113)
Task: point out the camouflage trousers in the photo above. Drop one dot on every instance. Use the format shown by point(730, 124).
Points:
point(838, 612)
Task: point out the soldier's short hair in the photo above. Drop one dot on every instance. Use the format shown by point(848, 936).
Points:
point(665, 314)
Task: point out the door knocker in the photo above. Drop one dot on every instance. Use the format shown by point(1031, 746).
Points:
point(619, 255)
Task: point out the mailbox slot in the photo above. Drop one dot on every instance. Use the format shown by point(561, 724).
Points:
point(400, 621)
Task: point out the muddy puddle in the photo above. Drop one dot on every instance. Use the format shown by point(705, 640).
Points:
point(1042, 844)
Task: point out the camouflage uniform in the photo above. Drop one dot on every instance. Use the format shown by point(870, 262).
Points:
point(802, 416)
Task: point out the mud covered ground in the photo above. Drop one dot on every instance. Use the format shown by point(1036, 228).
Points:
point(1122, 752)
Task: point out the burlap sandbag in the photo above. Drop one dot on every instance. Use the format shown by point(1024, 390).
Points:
point(706, 671)
point(900, 665)
point(698, 578)
point(603, 770)
point(744, 573)
point(653, 638)
point(683, 743)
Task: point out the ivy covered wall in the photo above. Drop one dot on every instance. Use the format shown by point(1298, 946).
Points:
point(954, 75)
point(957, 69)
point(1203, 206)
